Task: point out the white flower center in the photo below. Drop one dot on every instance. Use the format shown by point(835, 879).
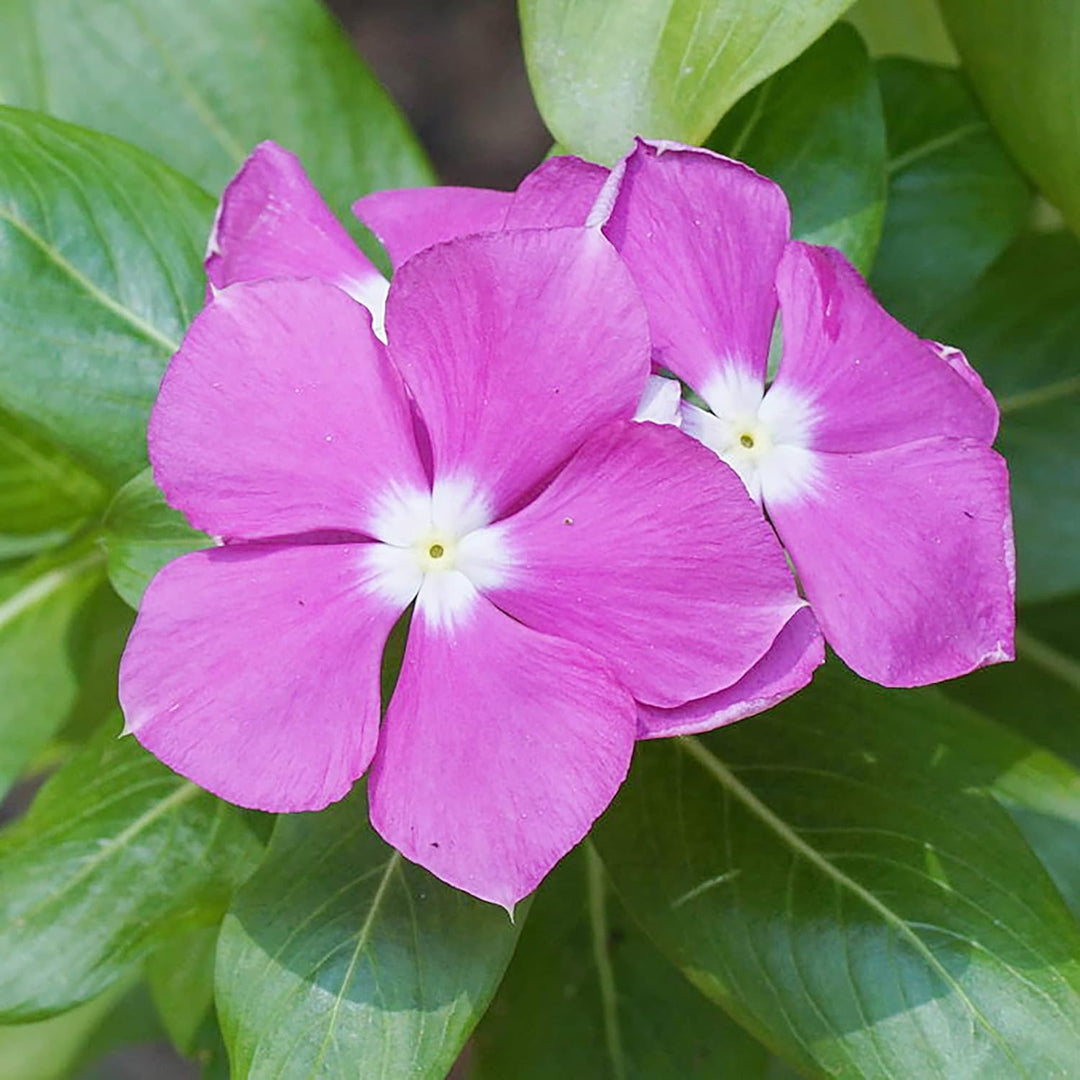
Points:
point(436, 547)
point(764, 435)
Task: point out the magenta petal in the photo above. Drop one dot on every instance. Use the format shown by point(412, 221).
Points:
point(871, 382)
point(273, 223)
point(254, 671)
point(906, 556)
point(516, 346)
point(561, 191)
point(282, 414)
point(786, 668)
point(647, 549)
point(702, 236)
point(408, 220)
point(500, 748)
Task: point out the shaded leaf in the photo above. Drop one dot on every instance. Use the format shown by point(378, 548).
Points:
point(339, 958)
point(841, 876)
point(100, 273)
point(605, 71)
point(914, 28)
point(180, 975)
point(116, 854)
point(956, 199)
point(816, 128)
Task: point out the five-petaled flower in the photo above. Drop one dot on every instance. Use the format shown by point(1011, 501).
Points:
point(570, 569)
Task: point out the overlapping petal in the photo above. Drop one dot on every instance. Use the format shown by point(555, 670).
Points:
point(559, 192)
point(871, 382)
point(702, 236)
point(787, 667)
point(500, 748)
point(517, 346)
point(254, 671)
point(647, 549)
point(906, 556)
point(281, 414)
point(408, 220)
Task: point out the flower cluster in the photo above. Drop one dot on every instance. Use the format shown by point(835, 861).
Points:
point(494, 439)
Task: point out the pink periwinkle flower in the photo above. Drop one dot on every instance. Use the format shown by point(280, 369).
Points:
point(870, 450)
point(570, 569)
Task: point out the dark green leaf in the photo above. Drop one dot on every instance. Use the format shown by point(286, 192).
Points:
point(605, 71)
point(100, 273)
point(1020, 326)
point(955, 197)
point(143, 533)
point(181, 978)
point(339, 958)
point(816, 128)
point(1023, 59)
point(587, 995)
point(116, 854)
point(840, 874)
point(199, 83)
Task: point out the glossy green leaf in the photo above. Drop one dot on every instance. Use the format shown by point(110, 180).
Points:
point(142, 533)
point(116, 854)
point(816, 127)
point(180, 975)
point(100, 273)
point(956, 199)
point(587, 995)
point(198, 84)
point(604, 71)
point(1020, 327)
point(840, 874)
point(44, 495)
point(913, 28)
point(42, 653)
point(339, 958)
point(1023, 57)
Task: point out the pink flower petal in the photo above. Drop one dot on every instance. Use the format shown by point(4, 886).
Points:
point(500, 748)
point(516, 346)
point(254, 671)
point(281, 414)
point(788, 666)
point(560, 191)
point(906, 556)
point(702, 236)
point(647, 549)
point(273, 223)
point(872, 382)
point(408, 220)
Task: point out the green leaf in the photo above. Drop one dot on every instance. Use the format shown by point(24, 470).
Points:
point(1022, 57)
point(42, 652)
point(914, 29)
point(116, 854)
point(608, 70)
point(816, 128)
point(956, 200)
point(1020, 326)
point(587, 995)
point(142, 533)
point(100, 273)
point(339, 958)
point(840, 875)
point(44, 495)
point(200, 83)
point(181, 978)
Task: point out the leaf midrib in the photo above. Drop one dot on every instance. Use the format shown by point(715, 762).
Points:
point(43, 587)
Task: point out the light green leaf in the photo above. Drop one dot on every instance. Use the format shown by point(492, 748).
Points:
point(587, 995)
point(913, 28)
point(604, 71)
point(199, 83)
point(816, 128)
point(339, 958)
point(956, 199)
point(841, 876)
point(100, 273)
point(142, 533)
point(1023, 57)
point(116, 854)
point(42, 653)
point(1020, 326)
